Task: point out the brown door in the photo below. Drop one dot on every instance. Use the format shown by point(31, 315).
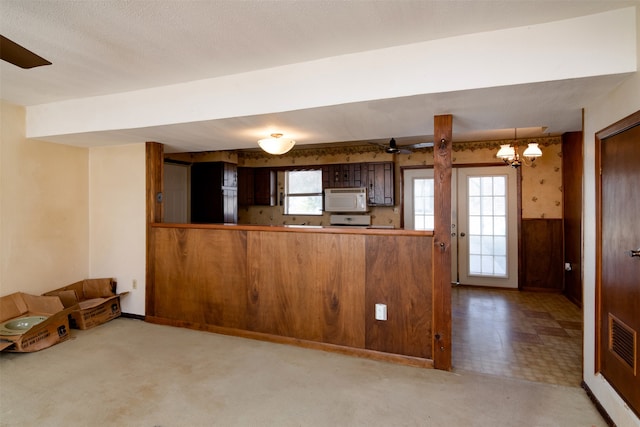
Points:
point(620, 268)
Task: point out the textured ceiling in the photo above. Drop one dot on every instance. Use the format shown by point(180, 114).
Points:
point(109, 46)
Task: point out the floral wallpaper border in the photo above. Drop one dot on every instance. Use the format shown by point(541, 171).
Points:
point(320, 152)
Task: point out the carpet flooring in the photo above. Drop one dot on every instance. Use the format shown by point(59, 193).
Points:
point(131, 373)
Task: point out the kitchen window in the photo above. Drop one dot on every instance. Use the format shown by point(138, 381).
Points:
point(303, 192)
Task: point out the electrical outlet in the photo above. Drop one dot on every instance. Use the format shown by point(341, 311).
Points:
point(135, 284)
point(381, 311)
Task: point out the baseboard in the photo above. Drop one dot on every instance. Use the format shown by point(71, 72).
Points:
point(599, 407)
point(133, 316)
point(399, 359)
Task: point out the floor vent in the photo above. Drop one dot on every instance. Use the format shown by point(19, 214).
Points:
point(622, 342)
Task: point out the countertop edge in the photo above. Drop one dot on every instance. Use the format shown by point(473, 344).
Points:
point(298, 229)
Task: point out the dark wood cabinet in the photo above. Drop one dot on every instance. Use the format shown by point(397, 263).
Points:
point(348, 175)
point(380, 183)
point(377, 177)
point(256, 186)
point(214, 192)
point(245, 186)
point(264, 185)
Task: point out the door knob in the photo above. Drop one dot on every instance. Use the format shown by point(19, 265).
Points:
point(462, 234)
point(634, 253)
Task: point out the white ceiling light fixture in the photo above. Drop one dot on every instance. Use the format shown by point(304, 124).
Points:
point(276, 144)
point(509, 154)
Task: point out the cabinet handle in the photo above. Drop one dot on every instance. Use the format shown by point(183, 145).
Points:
point(634, 253)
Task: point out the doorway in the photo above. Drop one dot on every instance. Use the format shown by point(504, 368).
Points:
point(177, 193)
point(484, 226)
point(528, 335)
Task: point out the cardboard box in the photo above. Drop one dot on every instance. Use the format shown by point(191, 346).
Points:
point(20, 306)
point(96, 302)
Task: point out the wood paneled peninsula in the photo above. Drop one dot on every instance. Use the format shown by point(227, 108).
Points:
point(310, 286)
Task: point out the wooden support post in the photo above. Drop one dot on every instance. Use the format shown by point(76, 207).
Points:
point(154, 179)
point(442, 127)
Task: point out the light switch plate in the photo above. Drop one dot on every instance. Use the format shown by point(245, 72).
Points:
point(381, 311)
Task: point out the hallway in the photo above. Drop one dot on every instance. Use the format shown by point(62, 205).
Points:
point(525, 335)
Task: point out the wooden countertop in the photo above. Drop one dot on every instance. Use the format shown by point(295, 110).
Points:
point(300, 229)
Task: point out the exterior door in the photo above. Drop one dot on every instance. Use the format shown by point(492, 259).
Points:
point(484, 232)
point(487, 226)
point(620, 263)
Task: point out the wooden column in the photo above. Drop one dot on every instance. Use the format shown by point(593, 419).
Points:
point(154, 179)
point(442, 131)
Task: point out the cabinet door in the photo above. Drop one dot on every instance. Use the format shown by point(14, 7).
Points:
point(326, 176)
point(245, 186)
point(355, 172)
point(335, 176)
point(265, 187)
point(380, 184)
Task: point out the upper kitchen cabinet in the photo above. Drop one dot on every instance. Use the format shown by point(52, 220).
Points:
point(214, 192)
point(380, 183)
point(377, 177)
point(348, 175)
point(264, 185)
point(245, 186)
point(256, 186)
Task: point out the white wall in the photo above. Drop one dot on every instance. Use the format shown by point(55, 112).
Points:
point(624, 101)
point(118, 221)
point(43, 210)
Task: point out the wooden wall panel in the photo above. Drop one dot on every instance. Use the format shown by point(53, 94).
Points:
point(200, 276)
point(311, 286)
point(395, 278)
point(342, 279)
point(542, 255)
point(572, 166)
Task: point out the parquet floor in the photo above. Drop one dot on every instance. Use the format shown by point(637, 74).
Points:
point(527, 335)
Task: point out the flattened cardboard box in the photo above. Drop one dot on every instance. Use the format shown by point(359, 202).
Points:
point(96, 302)
point(52, 330)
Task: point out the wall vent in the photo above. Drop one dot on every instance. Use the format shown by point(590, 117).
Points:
point(622, 342)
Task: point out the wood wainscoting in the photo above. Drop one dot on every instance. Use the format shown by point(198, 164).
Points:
point(542, 259)
point(312, 287)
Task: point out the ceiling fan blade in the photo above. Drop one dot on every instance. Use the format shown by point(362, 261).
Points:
point(17, 55)
point(421, 145)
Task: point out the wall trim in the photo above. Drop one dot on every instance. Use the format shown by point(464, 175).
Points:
point(598, 405)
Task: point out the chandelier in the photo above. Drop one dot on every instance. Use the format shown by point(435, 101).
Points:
point(509, 154)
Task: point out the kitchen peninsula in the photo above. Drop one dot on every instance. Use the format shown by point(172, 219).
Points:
point(310, 286)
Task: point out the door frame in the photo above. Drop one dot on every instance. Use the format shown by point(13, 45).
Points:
point(620, 126)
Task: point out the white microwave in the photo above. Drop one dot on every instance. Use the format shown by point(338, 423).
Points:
point(345, 199)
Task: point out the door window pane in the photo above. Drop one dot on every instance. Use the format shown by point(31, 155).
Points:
point(487, 225)
point(423, 200)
